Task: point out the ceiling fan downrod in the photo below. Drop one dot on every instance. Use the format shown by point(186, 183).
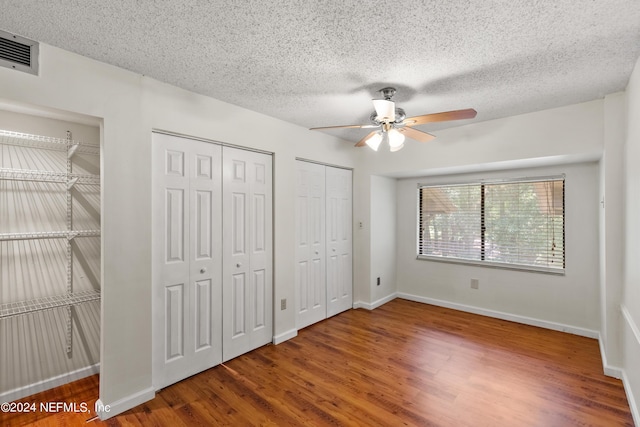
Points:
point(387, 92)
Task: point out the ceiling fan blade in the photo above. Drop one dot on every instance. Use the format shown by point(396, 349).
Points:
point(362, 142)
point(385, 110)
point(346, 127)
point(416, 134)
point(469, 113)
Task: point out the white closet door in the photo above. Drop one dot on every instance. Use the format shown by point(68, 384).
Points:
point(247, 251)
point(339, 247)
point(311, 303)
point(187, 292)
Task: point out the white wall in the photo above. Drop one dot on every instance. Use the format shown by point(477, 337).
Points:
point(630, 322)
point(18, 119)
point(571, 300)
point(612, 230)
point(130, 106)
point(383, 236)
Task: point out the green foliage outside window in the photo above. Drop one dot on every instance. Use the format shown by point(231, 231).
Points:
point(515, 223)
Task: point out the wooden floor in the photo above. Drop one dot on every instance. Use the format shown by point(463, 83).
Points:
point(404, 363)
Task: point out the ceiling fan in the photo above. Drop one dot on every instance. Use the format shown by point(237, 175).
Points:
point(394, 126)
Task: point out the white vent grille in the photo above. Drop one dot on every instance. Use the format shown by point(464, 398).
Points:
point(18, 53)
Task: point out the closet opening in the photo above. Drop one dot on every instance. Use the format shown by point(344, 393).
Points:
point(50, 249)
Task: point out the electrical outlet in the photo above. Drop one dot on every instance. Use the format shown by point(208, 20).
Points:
point(360, 225)
point(283, 304)
point(378, 282)
point(475, 283)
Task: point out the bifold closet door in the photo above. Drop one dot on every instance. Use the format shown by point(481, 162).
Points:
point(339, 236)
point(324, 279)
point(187, 291)
point(247, 251)
point(311, 303)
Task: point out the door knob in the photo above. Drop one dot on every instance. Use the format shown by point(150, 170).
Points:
point(334, 249)
point(316, 252)
point(238, 265)
point(203, 270)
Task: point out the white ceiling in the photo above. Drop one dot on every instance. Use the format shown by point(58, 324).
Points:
point(319, 63)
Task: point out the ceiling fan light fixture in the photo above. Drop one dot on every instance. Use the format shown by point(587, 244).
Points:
point(374, 141)
point(385, 109)
point(396, 148)
point(396, 139)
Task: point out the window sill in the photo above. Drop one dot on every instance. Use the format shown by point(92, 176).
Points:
point(489, 264)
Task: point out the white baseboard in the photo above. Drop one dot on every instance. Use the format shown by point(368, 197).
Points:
point(610, 371)
point(285, 336)
point(375, 304)
point(635, 413)
point(28, 390)
point(504, 316)
point(105, 411)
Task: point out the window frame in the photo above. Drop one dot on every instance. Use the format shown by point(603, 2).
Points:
point(489, 263)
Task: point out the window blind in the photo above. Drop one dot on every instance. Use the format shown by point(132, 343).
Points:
point(516, 224)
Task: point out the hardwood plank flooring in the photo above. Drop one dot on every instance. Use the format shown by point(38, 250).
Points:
point(404, 363)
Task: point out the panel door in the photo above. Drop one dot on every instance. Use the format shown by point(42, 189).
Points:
point(247, 251)
point(187, 291)
point(339, 247)
point(311, 302)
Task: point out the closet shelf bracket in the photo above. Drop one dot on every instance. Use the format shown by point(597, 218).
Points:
point(71, 183)
point(72, 150)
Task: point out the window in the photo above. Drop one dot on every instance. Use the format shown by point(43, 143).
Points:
point(515, 224)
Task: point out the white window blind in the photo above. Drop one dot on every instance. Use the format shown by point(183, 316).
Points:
point(517, 224)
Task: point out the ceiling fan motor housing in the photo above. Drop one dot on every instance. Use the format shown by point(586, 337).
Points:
point(399, 117)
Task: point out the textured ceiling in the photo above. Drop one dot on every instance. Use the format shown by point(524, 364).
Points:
point(320, 63)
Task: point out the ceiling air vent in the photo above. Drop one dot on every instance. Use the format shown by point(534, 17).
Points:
point(18, 53)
